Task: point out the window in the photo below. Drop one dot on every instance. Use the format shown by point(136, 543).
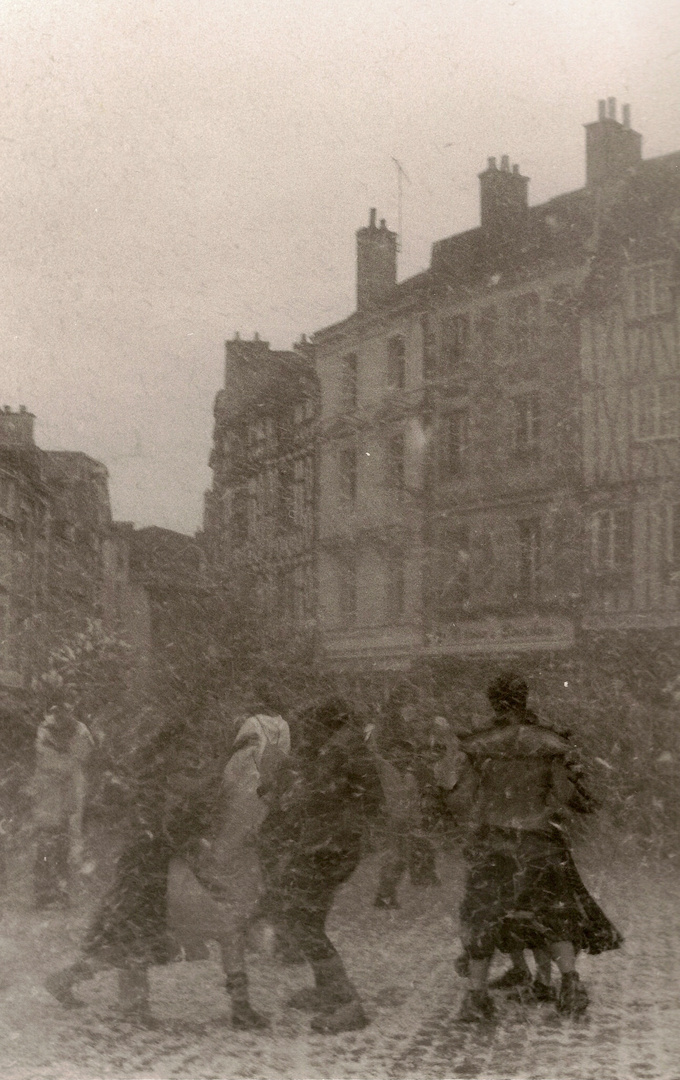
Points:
point(7, 497)
point(655, 410)
point(487, 328)
point(429, 347)
point(5, 634)
point(526, 424)
point(347, 589)
point(285, 596)
point(6, 560)
point(672, 538)
point(395, 470)
point(257, 438)
point(455, 444)
point(349, 389)
point(525, 323)
point(611, 540)
point(396, 362)
point(455, 330)
point(453, 573)
point(239, 516)
point(348, 475)
point(395, 587)
point(304, 592)
point(529, 556)
point(286, 495)
point(649, 291)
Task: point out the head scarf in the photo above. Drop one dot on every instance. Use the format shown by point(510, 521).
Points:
point(262, 732)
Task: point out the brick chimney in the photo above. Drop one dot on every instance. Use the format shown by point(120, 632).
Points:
point(16, 428)
point(503, 196)
point(612, 147)
point(376, 263)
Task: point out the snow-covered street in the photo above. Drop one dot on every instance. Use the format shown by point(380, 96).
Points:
point(402, 963)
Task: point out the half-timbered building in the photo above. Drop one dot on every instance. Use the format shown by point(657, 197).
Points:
point(631, 406)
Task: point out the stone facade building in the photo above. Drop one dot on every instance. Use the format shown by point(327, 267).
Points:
point(56, 544)
point(260, 514)
point(499, 464)
point(497, 453)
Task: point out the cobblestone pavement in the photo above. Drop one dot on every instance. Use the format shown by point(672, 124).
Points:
point(403, 964)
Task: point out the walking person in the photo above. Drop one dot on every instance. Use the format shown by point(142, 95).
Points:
point(316, 827)
point(401, 761)
point(170, 804)
point(521, 892)
point(215, 883)
point(63, 748)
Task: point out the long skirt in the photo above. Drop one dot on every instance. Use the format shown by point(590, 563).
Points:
point(523, 891)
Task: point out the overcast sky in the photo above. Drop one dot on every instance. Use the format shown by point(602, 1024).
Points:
point(177, 170)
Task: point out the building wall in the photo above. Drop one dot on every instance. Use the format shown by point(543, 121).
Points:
point(261, 512)
point(631, 408)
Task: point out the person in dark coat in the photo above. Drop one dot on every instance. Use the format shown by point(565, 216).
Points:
point(312, 840)
point(522, 890)
point(170, 804)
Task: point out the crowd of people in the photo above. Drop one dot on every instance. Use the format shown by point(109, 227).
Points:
point(285, 823)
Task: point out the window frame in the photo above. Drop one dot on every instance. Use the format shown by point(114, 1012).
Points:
point(396, 362)
point(530, 562)
point(526, 424)
point(657, 293)
point(454, 346)
point(348, 481)
point(663, 415)
point(462, 442)
point(349, 382)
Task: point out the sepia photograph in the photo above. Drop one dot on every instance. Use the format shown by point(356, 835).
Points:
point(340, 540)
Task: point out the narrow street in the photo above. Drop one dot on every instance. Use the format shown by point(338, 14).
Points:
point(403, 964)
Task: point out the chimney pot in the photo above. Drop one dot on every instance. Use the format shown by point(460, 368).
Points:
point(505, 163)
point(601, 107)
point(371, 218)
point(383, 225)
point(611, 108)
point(626, 116)
point(492, 162)
point(515, 170)
point(256, 336)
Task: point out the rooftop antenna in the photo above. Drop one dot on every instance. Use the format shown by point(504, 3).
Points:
point(401, 175)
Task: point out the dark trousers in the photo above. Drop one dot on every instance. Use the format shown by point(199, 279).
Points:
point(304, 896)
point(51, 869)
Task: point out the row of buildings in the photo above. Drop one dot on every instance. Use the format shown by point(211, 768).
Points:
point(64, 560)
point(482, 459)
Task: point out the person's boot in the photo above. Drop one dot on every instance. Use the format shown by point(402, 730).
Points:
point(513, 977)
point(243, 1016)
point(60, 984)
point(542, 992)
point(329, 991)
point(134, 995)
point(477, 1008)
point(573, 996)
point(340, 1008)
